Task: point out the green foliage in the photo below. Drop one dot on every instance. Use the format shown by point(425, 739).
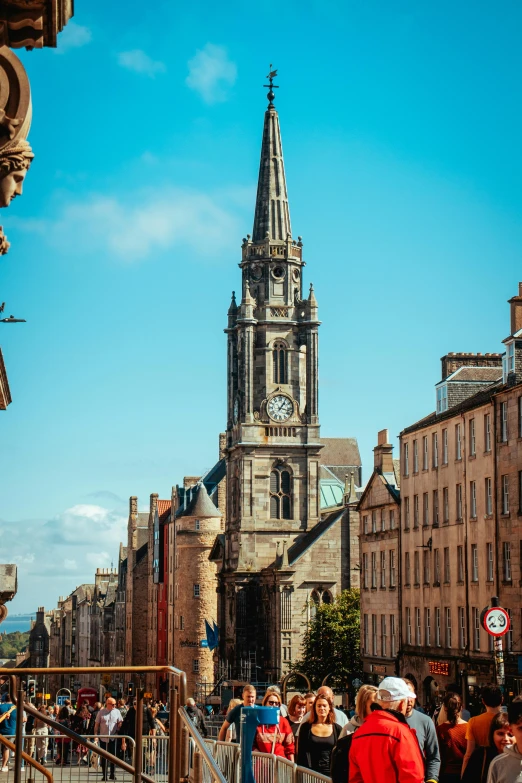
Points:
point(12, 643)
point(331, 644)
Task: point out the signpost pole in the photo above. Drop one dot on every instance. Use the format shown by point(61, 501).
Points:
point(499, 661)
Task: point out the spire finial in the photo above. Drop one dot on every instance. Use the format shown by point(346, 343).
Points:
point(271, 86)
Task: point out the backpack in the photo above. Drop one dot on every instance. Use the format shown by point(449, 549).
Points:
point(339, 762)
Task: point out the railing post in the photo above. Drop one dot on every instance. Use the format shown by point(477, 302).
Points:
point(198, 767)
point(184, 752)
point(174, 756)
point(138, 760)
point(19, 735)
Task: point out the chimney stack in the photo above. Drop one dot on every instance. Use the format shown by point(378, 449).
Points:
point(516, 311)
point(383, 453)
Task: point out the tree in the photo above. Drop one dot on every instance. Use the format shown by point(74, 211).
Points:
point(12, 643)
point(331, 643)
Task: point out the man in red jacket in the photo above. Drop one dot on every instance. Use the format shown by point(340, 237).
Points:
point(385, 749)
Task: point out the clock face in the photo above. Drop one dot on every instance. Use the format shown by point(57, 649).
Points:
point(236, 410)
point(280, 408)
point(256, 272)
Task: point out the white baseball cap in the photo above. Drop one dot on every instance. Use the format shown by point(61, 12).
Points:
point(396, 688)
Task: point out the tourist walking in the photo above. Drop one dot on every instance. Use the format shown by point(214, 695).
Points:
point(197, 717)
point(426, 734)
point(500, 737)
point(231, 731)
point(309, 697)
point(7, 725)
point(507, 767)
point(107, 725)
point(278, 738)
point(41, 733)
point(477, 733)
point(452, 740)
point(62, 742)
point(234, 716)
point(296, 711)
point(374, 758)
point(366, 696)
point(327, 693)
point(318, 736)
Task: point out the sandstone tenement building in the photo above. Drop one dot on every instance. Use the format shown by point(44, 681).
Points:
point(459, 541)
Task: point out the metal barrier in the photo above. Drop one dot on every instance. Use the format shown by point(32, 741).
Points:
point(65, 761)
point(177, 695)
point(197, 761)
point(5, 742)
point(267, 767)
point(227, 759)
point(305, 775)
point(155, 757)
point(263, 765)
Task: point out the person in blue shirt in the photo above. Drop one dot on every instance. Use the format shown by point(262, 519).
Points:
point(7, 727)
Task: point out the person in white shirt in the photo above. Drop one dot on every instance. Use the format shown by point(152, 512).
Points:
point(107, 725)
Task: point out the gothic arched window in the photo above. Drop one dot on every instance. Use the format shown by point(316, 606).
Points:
point(314, 603)
point(280, 370)
point(280, 494)
point(327, 597)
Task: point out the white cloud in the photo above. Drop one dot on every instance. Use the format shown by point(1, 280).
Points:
point(161, 220)
point(55, 556)
point(99, 559)
point(139, 61)
point(211, 73)
point(85, 524)
point(72, 37)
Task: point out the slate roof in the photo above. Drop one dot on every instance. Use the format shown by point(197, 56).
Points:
point(311, 536)
point(340, 452)
point(478, 374)
point(480, 398)
point(110, 595)
point(84, 592)
point(200, 505)
point(141, 553)
point(142, 536)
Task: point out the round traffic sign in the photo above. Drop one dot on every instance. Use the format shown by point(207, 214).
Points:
point(496, 621)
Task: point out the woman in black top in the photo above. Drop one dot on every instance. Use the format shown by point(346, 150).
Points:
point(317, 737)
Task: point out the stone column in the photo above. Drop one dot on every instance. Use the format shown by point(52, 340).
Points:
point(312, 375)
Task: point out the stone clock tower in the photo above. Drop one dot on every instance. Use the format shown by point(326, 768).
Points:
point(273, 443)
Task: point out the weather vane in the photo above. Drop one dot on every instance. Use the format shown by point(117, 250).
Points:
point(271, 86)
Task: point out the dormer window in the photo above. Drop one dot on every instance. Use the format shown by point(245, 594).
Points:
point(442, 398)
point(510, 357)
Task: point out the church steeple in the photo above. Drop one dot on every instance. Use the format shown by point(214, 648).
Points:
point(272, 214)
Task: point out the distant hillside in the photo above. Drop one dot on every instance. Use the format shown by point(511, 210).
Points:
point(12, 643)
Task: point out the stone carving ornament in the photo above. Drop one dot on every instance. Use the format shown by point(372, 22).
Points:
point(16, 154)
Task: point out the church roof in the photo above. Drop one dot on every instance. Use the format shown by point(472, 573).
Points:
point(337, 452)
point(272, 214)
point(311, 536)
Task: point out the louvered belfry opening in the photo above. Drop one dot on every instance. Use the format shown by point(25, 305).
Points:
point(280, 494)
point(279, 363)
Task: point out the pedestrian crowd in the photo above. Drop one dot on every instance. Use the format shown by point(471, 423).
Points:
point(108, 726)
point(389, 738)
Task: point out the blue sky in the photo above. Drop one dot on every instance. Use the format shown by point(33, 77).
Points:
point(401, 129)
